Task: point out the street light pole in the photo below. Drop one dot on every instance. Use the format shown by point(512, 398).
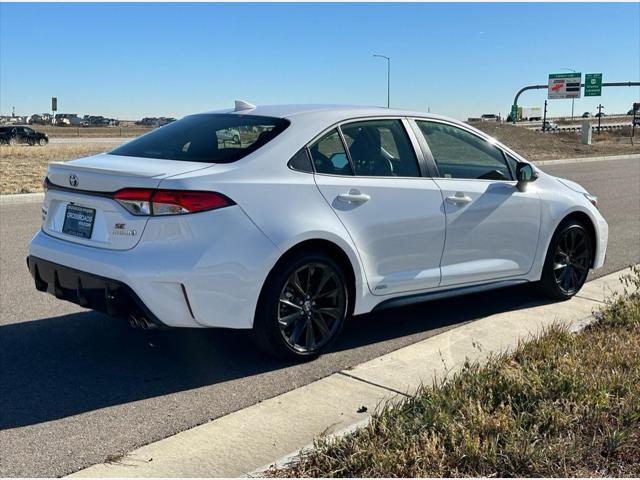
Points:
point(574, 71)
point(388, 77)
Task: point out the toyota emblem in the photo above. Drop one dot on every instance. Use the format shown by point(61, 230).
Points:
point(73, 180)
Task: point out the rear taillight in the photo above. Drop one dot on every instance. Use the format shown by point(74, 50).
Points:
point(139, 201)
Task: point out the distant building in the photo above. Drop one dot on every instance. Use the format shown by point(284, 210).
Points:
point(100, 121)
point(69, 119)
point(12, 120)
point(41, 119)
point(155, 121)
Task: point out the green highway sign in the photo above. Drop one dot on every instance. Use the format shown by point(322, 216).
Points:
point(593, 84)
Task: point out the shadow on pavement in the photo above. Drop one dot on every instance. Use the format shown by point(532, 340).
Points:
point(58, 367)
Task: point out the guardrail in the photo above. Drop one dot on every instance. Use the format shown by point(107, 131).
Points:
point(579, 128)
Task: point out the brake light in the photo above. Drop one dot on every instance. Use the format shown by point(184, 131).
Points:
point(140, 201)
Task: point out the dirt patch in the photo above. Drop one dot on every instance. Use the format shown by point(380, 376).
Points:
point(548, 146)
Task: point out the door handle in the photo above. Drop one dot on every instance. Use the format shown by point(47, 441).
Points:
point(354, 196)
point(459, 199)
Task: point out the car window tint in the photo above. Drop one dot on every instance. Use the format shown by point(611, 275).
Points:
point(301, 161)
point(328, 155)
point(380, 148)
point(460, 154)
point(211, 138)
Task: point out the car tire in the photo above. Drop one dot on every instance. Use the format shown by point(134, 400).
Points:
point(568, 260)
point(42, 142)
point(288, 309)
point(12, 142)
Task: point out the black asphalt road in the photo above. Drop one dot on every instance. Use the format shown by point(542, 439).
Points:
point(77, 387)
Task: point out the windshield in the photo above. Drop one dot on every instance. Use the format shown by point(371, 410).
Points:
point(210, 138)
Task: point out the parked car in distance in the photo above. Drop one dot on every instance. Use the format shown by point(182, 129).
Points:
point(329, 212)
point(11, 135)
point(229, 134)
point(586, 115)
point(550, 125)
point(600, 114)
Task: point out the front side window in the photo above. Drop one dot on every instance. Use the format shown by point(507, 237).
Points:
point(513, 164)
point(328, 155)
point(460, 154)
point(211, 138)
point(380, 148)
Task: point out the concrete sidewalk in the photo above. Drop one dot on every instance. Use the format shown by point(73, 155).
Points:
point(249, 440)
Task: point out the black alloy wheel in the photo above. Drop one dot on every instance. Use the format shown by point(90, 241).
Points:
point(311, 307)
point(571, 260)
point(568, 261)
point(302, 307)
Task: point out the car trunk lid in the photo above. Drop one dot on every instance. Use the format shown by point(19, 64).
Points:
point(79, 207)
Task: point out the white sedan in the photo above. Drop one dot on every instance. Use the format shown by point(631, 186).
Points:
point(322, 213)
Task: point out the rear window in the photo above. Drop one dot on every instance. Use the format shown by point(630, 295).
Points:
point(210, 138)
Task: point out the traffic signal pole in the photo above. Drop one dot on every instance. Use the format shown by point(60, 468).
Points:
point(544, 117)
point(540, 87)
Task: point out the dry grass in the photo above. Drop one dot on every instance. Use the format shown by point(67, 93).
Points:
point(22, 167)
point(547, 146)
point(563, 405)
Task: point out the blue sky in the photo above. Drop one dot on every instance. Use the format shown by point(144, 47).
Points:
point(133, 60)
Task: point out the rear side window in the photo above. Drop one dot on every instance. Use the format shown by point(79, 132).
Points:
point(328, 155)
point(380, 148)
point(210, 138)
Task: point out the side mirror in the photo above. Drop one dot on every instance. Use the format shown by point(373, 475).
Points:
point(525, 174)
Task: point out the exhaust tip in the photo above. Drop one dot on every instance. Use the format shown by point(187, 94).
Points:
point(141, 323)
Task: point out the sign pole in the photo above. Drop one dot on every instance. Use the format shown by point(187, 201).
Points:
point(544, 118)
point(633, 122)
point(572, 100)
point(600, 107)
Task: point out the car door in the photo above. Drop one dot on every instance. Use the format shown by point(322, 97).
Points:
point(29, 135)
point(369, 174)
point(492, 227)
point(21, 136)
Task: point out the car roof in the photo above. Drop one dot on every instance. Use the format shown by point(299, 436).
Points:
point(328, 112)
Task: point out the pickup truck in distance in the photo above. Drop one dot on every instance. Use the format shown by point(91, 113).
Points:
point(14, 135)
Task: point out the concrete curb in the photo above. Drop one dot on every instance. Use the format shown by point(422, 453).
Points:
point(246, 442)
point(21, 198)
point(587, 159)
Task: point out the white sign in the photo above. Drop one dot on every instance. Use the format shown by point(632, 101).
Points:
point(564, 85)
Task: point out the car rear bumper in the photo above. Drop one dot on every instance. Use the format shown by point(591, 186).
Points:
point(91, 291)
point(200, 270)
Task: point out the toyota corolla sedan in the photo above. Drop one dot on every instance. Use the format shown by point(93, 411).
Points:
point(322, 212)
